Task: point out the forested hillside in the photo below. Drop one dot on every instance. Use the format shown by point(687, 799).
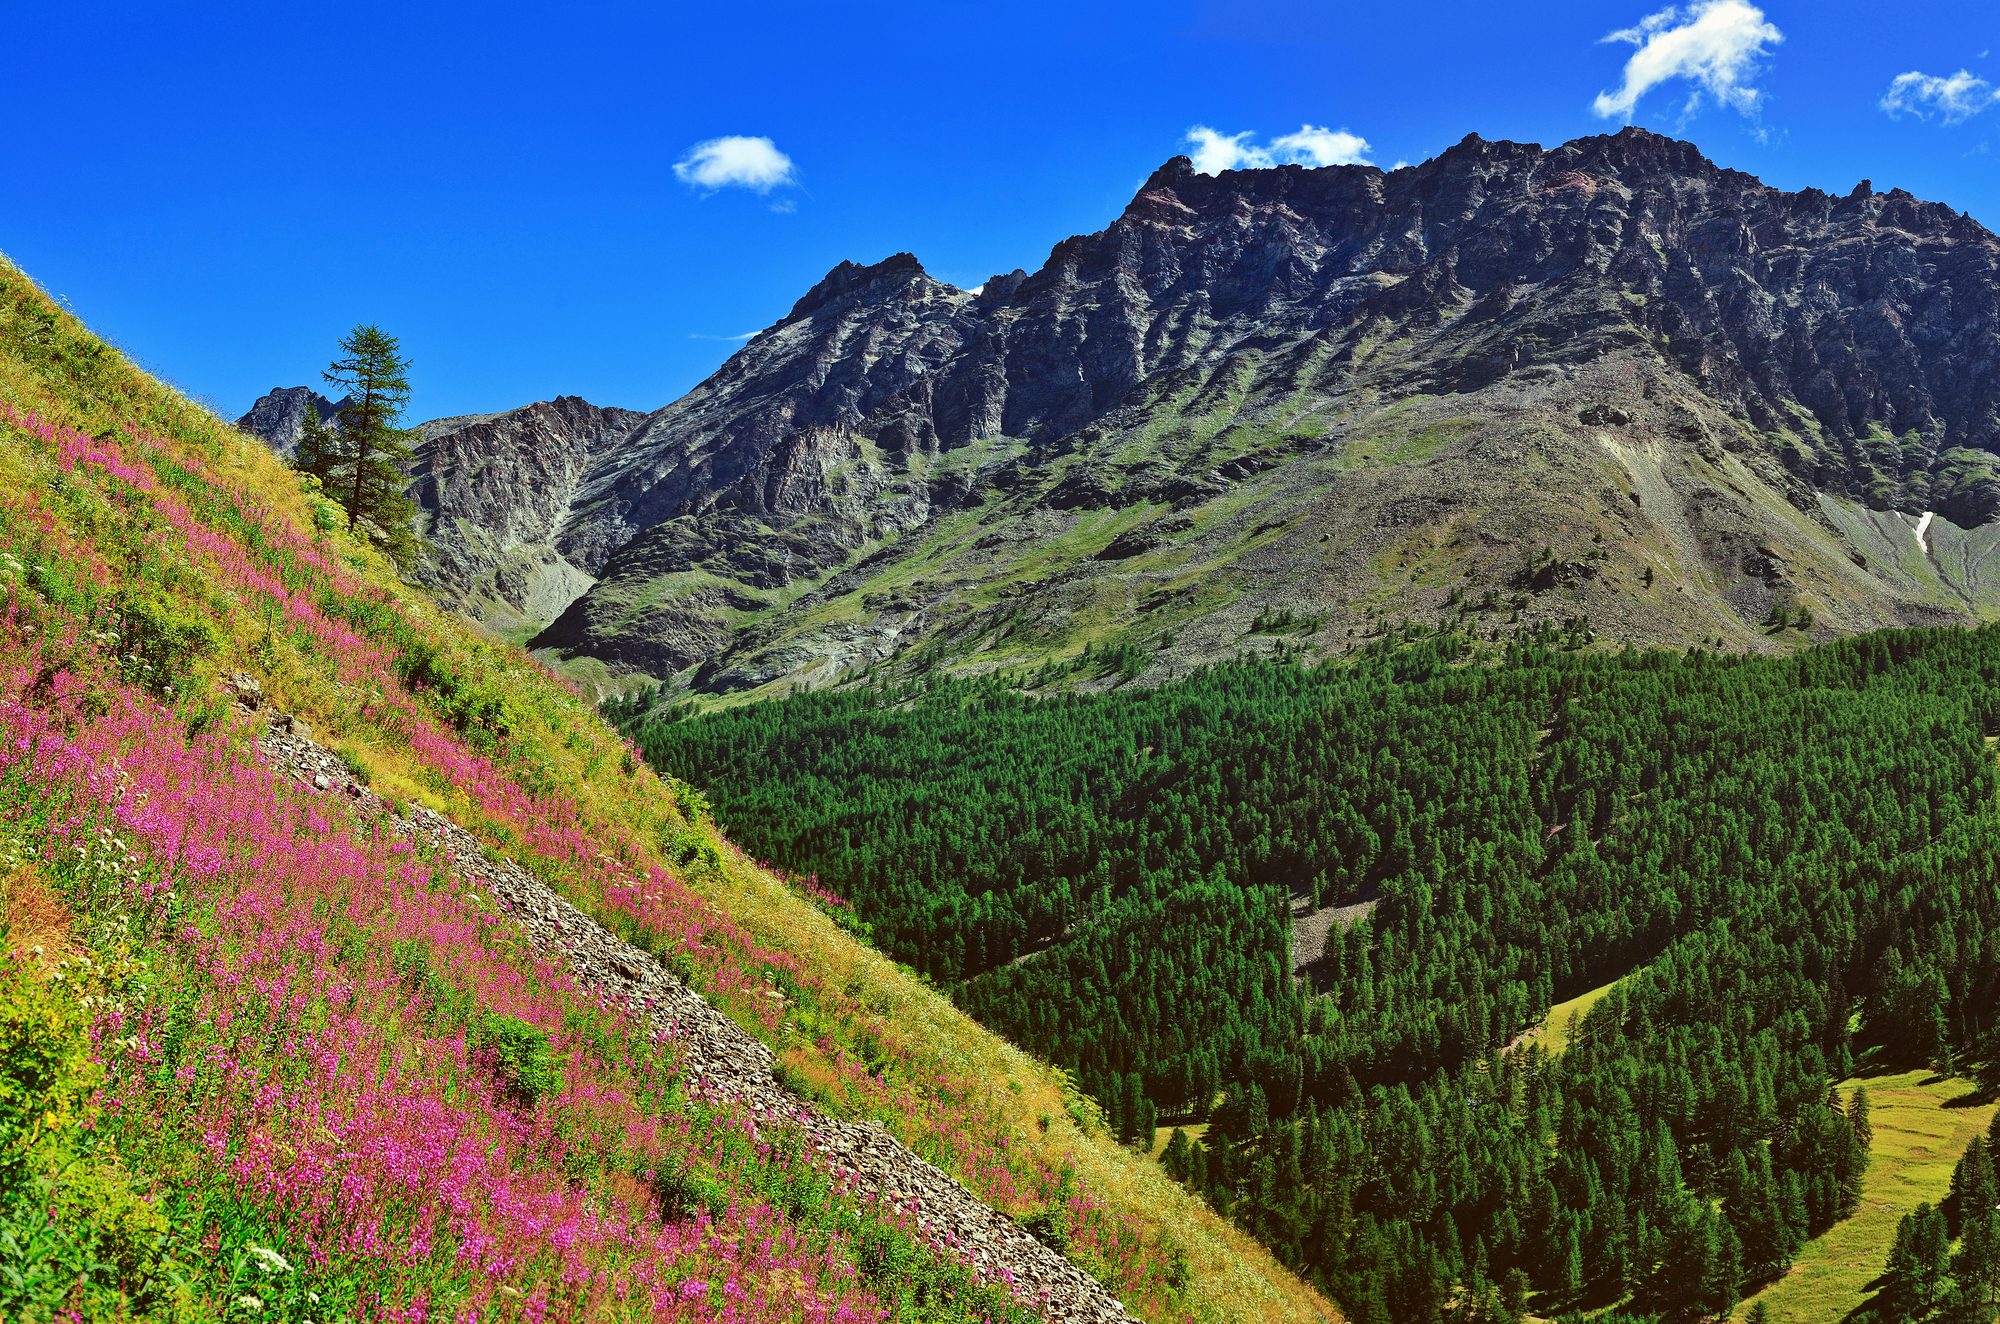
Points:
point(1787, 866)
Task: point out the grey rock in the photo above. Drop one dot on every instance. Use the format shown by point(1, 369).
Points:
point(279, 415)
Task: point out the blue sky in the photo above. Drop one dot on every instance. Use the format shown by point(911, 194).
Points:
point(224, 191)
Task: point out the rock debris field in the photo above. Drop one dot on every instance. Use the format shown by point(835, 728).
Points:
point(724, 1060)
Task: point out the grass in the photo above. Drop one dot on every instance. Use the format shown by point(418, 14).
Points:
point(1553, 1033)
point(1923, 1123)
point(1162, 1134)
point(1390, 448)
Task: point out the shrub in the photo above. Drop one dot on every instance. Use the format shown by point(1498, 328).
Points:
point(164, 638)
point(688, 845)
point(522, 1059)
point(682, 1194)
point(108, 1259)
point(682, 966)
point(475, 712)
point(46, 1074)
point(352, 762)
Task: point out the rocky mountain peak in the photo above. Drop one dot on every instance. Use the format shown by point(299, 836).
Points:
point(1299, 381)
point(279, 415)
point(1174, 171)
point(848, 277)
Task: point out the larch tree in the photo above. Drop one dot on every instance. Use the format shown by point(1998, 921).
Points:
point(362, 463)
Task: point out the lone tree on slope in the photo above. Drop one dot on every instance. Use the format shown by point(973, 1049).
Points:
point(361, 463)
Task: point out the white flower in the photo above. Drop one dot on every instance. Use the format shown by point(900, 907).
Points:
point(250, 1303)
point(269, 1260)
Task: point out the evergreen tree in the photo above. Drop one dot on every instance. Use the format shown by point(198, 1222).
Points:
point(1850, 1166)
point(362, 463)
point(1175, 1157)
point(1570, 1281)
point(1723, 1285)
point(1919, 1263)
point(1975, 1269)
point(318, 450)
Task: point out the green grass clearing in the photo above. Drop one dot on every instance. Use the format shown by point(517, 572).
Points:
point(1162, 1134)
point(1553, 1033)
point(1918, 1140)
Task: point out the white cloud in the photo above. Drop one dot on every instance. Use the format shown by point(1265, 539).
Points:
point(1322, 147)
point(1214, 152)
point(1715, 44)
point(697, 335)
point(1956, 98)
point(736, 162)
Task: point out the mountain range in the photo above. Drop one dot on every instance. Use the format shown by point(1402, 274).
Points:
point(1608, 387)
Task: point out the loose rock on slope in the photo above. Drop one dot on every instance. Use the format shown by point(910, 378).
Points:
point(724, 1059)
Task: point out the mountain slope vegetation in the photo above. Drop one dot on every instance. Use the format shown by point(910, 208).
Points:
point(269, 1053)
point(1776, 865)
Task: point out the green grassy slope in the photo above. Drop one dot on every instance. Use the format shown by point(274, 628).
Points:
point(1552, 1035)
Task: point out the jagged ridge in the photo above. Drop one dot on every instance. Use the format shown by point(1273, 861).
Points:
point(1332, 384)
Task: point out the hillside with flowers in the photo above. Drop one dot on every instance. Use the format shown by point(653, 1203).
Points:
point(341, 946)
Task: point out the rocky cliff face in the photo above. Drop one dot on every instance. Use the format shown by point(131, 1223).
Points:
point(1608, 382)
point(499, 499)
point(280, 415)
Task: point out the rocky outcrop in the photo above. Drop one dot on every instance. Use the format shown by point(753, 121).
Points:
point(279, 415)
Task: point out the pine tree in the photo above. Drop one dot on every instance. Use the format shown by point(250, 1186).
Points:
point(1851, 1163)
point(362, 465)
point(1857, 1117)
point(1902, 1266)
point(1571, 1267)
point(1721, 1288)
